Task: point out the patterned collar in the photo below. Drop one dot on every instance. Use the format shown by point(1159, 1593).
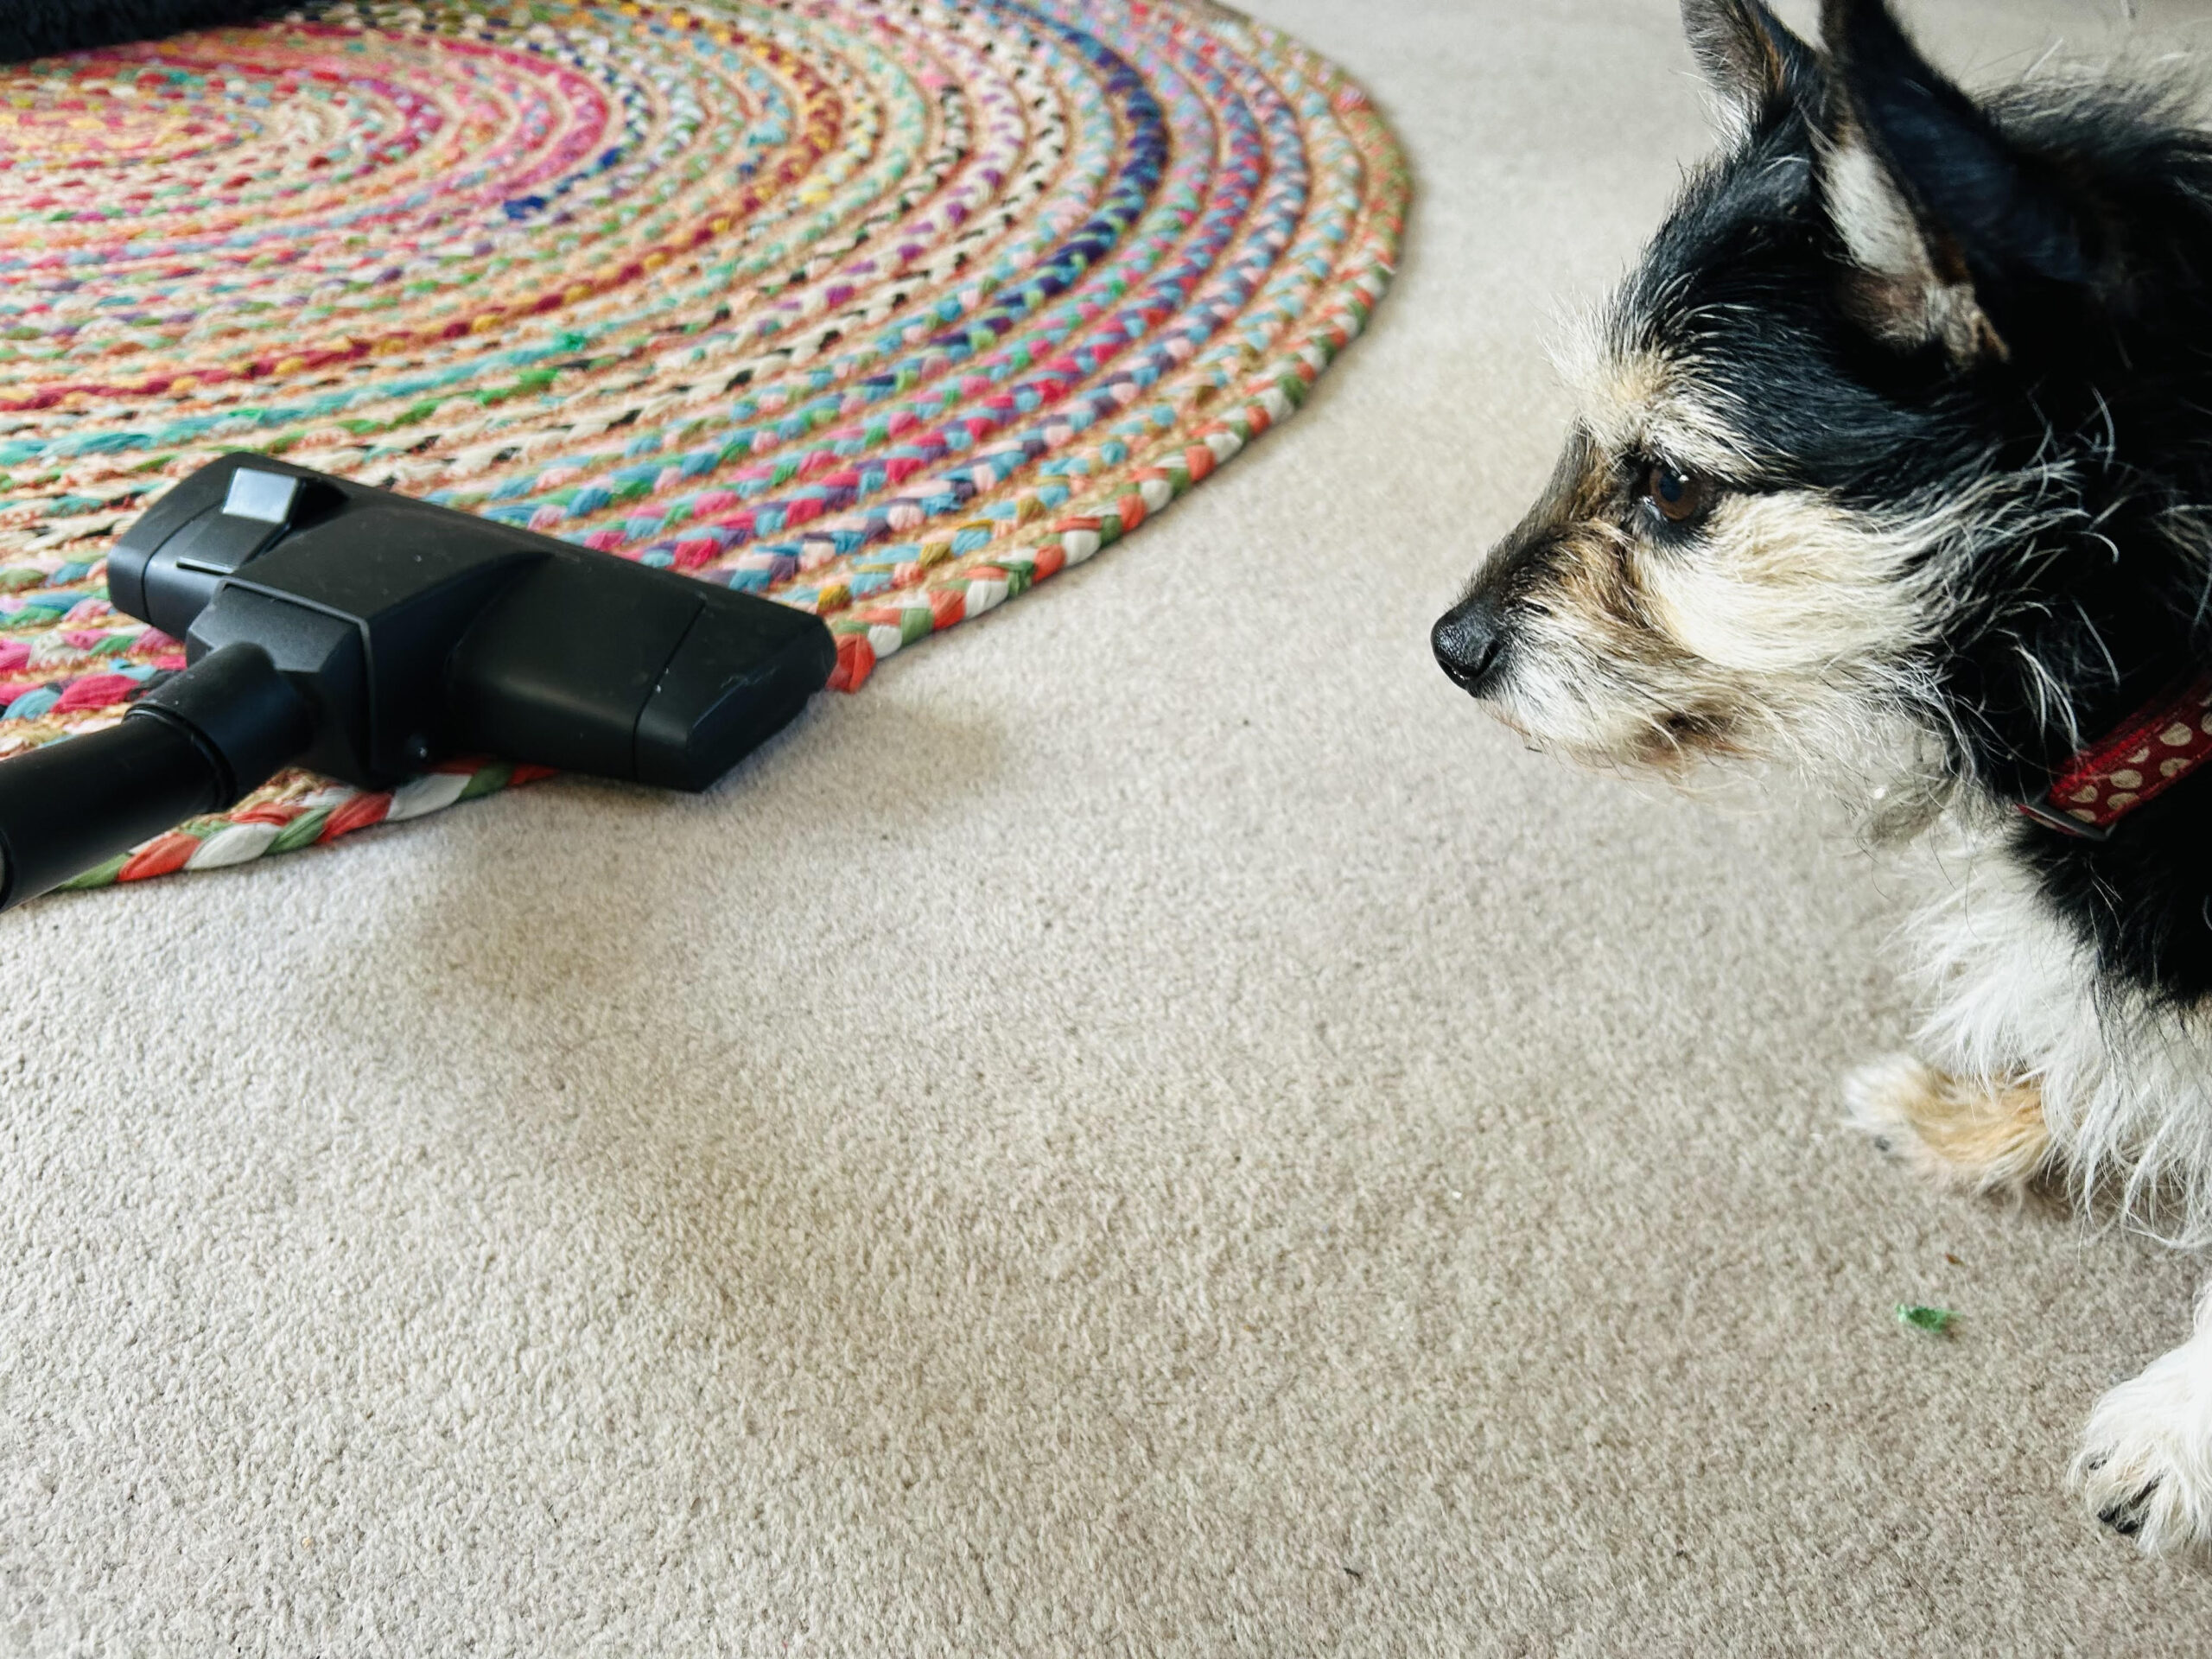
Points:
point(2152, 750)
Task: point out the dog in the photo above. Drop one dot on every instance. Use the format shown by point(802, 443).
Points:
point(1893, 464)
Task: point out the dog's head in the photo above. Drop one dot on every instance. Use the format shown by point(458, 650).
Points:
point(1836, 379)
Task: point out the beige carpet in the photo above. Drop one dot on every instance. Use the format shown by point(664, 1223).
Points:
point(1152, 1130)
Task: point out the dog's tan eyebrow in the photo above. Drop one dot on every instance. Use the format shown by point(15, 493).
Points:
point(1643, 400)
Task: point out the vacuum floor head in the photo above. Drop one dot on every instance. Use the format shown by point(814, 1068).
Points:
point(364, 635)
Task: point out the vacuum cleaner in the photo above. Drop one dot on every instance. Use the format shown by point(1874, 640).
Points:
point(364, 635)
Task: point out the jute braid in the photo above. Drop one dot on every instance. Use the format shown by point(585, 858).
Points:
point(889, 311)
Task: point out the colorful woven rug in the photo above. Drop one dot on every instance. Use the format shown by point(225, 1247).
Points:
point(890, 312)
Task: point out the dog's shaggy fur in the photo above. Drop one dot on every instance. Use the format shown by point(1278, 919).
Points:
point(1895, 463)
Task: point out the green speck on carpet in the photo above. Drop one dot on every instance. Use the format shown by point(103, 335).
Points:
point(1935, 1321)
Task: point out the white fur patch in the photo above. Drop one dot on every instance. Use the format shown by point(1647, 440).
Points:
point(1908, 300)
point(1872, 217)
point(2127, 1082)
point(2145, 1464)
point(1783, 583)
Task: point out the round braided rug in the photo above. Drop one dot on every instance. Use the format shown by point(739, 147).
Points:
point(890, 311)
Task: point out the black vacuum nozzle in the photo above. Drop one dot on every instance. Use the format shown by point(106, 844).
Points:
point(365, 634)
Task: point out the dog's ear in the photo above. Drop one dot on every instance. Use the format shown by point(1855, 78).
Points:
point(1757, 68)
point(1942, 216)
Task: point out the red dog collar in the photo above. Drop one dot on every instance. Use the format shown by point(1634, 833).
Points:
point(2158, 746)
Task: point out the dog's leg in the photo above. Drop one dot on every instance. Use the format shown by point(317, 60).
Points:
point(2145, 1467)
point(1982, 1134)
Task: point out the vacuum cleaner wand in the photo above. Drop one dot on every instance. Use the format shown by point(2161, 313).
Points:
point(364, 635)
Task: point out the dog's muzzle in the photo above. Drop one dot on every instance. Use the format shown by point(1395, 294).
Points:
point(1468, 640)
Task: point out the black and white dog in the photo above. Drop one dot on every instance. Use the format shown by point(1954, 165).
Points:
point(1894, 462)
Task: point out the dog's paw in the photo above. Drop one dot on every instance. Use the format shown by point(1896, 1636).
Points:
point(2145, 1465)
point(1984, 1135)
point(1879, 1100)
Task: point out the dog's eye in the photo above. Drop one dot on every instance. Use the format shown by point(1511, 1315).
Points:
point(1678, 496)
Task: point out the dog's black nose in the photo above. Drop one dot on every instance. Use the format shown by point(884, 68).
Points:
point(1466, 638)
